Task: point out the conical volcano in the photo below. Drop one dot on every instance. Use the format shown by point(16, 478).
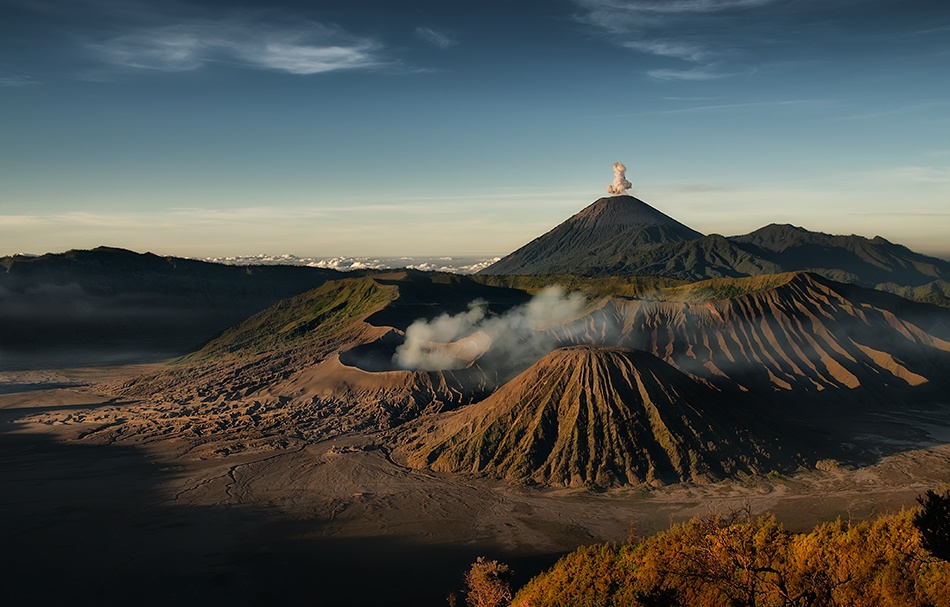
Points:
point(595, 240)
point(587, 415)
point(621, 213)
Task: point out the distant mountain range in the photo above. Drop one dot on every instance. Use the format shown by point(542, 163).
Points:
point(622, 235)
point(112, 305)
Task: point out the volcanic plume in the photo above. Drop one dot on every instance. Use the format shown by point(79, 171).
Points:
point(620, 184)
point(515, 338)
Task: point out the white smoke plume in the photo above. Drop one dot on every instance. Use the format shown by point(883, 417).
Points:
point(518, 337)
point(620, 184)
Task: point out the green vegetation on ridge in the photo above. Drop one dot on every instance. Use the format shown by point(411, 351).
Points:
point(311, 317)
point(716, 289)
point(936, 292)
point(592, 286)
point(642, 287)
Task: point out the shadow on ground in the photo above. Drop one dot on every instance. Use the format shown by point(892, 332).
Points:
point(88, 524)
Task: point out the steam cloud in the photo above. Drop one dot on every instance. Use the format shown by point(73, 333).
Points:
point(519, 336)
point(620, 184)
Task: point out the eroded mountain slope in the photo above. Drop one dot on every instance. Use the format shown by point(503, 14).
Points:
point(598, 416)
point(797, 332)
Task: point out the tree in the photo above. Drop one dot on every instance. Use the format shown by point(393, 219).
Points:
point(733, 560)
point(488, 584)
point(933, 522)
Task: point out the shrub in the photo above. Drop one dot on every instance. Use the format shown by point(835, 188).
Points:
point(488, 584)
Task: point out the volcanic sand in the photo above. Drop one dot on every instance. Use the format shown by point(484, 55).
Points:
point(121, 503)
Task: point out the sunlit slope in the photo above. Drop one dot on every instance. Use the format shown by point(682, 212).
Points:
point(793, 332)
point(592, 416)
point(328, 352)
point(313, 317)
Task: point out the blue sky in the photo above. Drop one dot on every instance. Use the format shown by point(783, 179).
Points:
point(427, 128)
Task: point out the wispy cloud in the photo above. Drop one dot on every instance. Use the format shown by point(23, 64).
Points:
point(692, 98)
point(199, 216)
point(301, 48)
point(702, 72)
point(908, 109)
point(905, 178)
point(918, 174)
point(678, 29)
point(671, 48)
point(620, 15)
point(739, 107)
point(434, 37)
point(900, 214)
point(16, 81)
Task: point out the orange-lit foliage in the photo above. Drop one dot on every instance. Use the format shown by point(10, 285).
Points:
point(488, 584)
point(741, 560)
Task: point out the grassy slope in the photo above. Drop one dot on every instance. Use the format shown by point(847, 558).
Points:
point(314, 316)
point(936, 292)
point(647, 287)
point(593, 286)
point(724, 288)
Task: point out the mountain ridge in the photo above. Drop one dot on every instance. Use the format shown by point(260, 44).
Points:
point(106, 305)
point(600, 231)
point(625, 236)
point(592, 416)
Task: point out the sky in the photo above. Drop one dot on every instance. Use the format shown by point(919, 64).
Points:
point(208, 128)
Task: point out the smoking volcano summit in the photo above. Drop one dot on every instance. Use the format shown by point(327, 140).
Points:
point(599, 240)
point(622, 235)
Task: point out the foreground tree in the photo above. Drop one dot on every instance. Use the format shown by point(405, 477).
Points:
point(933, 522)
point(744, 561)
point(488, 583)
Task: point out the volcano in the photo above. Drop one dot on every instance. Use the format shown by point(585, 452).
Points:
point(592, 416)
point(624, 236)
point(595, 240)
